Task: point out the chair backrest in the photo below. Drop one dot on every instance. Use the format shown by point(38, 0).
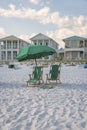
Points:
point(54, 72)
point(37, 72)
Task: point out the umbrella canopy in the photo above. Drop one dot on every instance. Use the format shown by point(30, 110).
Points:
point(35, 52)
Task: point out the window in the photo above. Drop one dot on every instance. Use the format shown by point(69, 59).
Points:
point(81, 54)
point(41, 43)
point(85, 43)
point(3, 46)
point(3, 55)
point(9, 55)
point(86, 55)
point(14, 44)
point(81, 44)
point(20, 45)
point(8, 44)
point(14, 54)
point(46, 43)
point(35, 43)
point(73, 44)
point(67, 45)
point(74, 55)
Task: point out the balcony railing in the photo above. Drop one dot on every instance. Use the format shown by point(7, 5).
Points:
point(74, 49)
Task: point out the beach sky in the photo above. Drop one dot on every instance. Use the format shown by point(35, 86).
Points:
point(55, 18)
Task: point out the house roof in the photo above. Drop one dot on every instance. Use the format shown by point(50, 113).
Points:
point(12, 37)
point(74, 38)
point(41, 36)
point(61, 50)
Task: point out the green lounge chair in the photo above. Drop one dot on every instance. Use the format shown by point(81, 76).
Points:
point(54, 75)
point(36, 77)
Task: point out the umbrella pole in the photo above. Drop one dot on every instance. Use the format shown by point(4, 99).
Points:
point(35, 61)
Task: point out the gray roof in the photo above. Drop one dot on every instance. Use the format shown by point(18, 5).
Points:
point(41, 36)
point(74, 38)
point(12, 37)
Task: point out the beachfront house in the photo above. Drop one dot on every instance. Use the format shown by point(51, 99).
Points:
point(75, 48)
point(60, 53)
point(41, 39)
point(10, 47)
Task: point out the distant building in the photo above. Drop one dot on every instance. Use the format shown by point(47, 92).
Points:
point(75, 48)
point(41, 39)
point(60, 53)
point(10, 47)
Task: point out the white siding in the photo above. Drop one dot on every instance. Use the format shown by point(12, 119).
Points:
point(41, 39)
point(10, 48)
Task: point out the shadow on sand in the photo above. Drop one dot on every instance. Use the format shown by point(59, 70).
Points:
point(73, 86)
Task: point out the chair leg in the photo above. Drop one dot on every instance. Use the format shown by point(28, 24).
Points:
point(47, 81)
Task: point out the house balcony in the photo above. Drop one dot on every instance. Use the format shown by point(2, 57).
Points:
point(74, 49)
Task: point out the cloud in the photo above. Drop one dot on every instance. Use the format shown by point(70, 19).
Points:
point(2, 32)
point(36, 2)
point(65, 25)
point(44, 16)
point(26, 37)
point(40, 2)
point(68, 27)
point(24, 13)
point(62, 33)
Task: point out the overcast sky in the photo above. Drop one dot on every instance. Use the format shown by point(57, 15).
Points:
point(55, 18)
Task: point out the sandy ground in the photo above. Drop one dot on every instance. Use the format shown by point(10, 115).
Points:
point(64, 107)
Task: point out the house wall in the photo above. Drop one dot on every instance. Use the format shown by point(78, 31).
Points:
point(48, 42)
point(75, 49)
point(10, 48)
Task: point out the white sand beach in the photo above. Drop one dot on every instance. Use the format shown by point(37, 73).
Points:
point(64, 107)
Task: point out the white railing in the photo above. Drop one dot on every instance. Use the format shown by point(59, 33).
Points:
point(74, 49)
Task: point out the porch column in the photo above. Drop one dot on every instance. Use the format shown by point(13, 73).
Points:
point(83, 43)
point(84, 49)
point(83, 55)
point(11, 55)
point(11, 44)
point(43, 43)
point(65, 55)
point(37, 42)
point(49, 43)
point(6, 55)
point(0, 55)
point(0, 50)
point(6, 51)
point(18, 45)
point(78, 55)
point(70, 56)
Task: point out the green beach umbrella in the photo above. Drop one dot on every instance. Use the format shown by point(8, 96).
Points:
point(35, 52)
